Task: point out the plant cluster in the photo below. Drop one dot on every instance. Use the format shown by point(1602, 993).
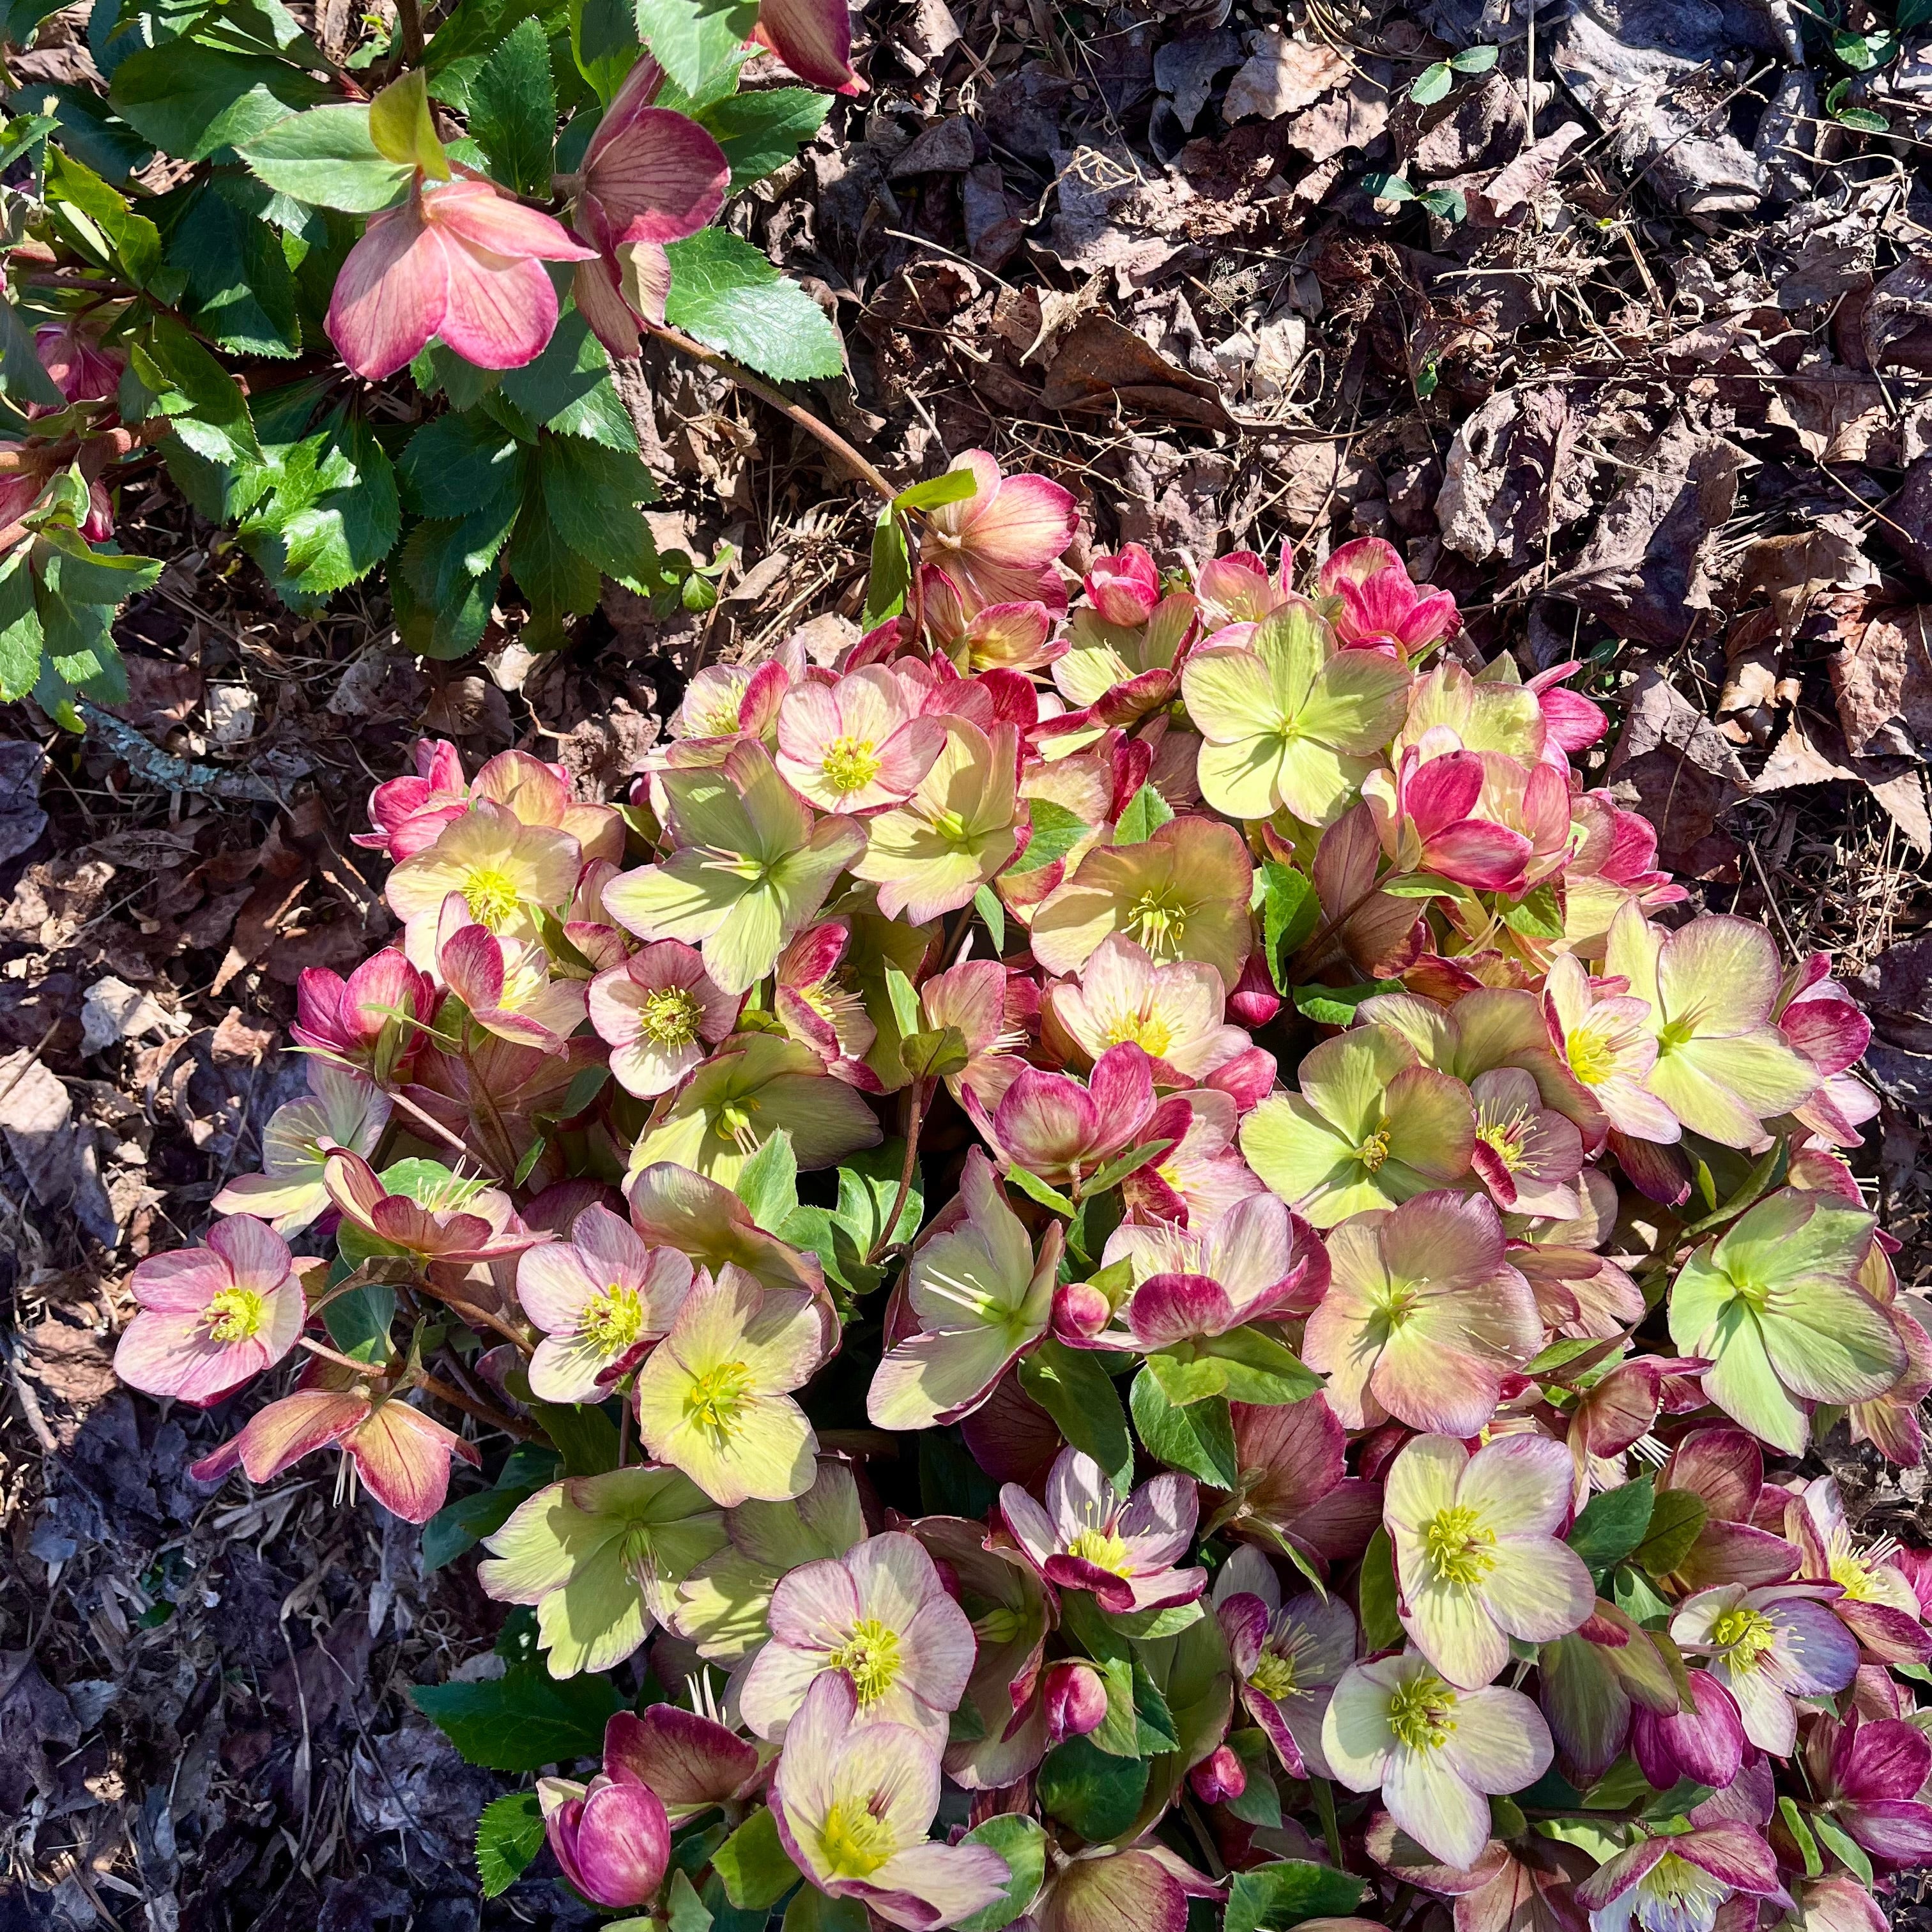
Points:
point(1104, 1257)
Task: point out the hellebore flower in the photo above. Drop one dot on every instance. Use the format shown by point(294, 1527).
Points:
point(505, 870)
point(714, 1397)
point(954, 830)
point(213, 1317)
point(343, 1110)
point(1183, 894)
point(505, 984)
point(1088, 1538)
point(1073, 1696)
point(1723, 1468)
point(1370, 1128)
point(1426, 815)
point(1288, 1657)
point(1438, 1753)
point(602, 1298)
point(1869, 1772)
point(374, 1020)
point(1824, 1022)
point(853, 1803)
point(973, 996)
point(1880, 1606)
point(1294, 1489)
point(1765, 1647)
point(405, 814)
point(1001, 544)
point(459, 259)
point(1775, 1306)
point(1291, 723)
point(1590, 1680)
point(1607, 1044)
point(1201, 1176)
point(444, 1218)
point(401, 1455)
point(658, 1012)
point(728, 701)
point(1374, 605)
point(1423, 1316)
point(980, 1300)
point(611, 1836)
point(754, 1085)
point(1116, 673)
point(881, 1615)
point(673, 1207)
point(1477, 714)
point(1262, 1263)
point(692, 1762)
point(1723, 1067)
point(80, 369)
point(816, 1009)
point(1704, 1740)
point(600, 1557)
point(751, 867)
point(856, 745)
point(1063, 1132)
point(1172, 1010)
point(1527, 1155)
point(1679, 1884)
point(1478, 1550)
point(1123, 586)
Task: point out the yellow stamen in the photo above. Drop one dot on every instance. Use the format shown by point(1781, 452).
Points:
point(491, 895)
point(1421, 1712)
point(1158, 921)
point(612, 1321)
point(1591, 1058)
point(1148, 1031)
point(235, 1314)
point(1374, 1150)
point(1102, 1549)
point(849, 764)
point(870, 1656)
point(716, 1399)
point(1274, 1675)
point(1744, 1636)
point(854, 1841)
point(1460, 1549)
point(669, 1016)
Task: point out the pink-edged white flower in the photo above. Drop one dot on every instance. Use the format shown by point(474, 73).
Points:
point(505, 983)
point(1679, 1884)
point(1001, 545)
point(1374, 605)
point(1122, 586)
point(1438, 1754)
point(375, 1020)
point(975, 996)
point(817, 1010)
point(343, 1109)
point(602, 1298)
point(854, 1802)
point(856, 745)
point(1478, 1550)
point(505, 870)
point(1199, 1176)
point(1606, 1041)
point(459, 259)
point(1766, 1647)
point(1879, 1605)
point(213, 1317)
point(1172, 1009)
point(658, 1011)
point(880, 1614)
point(1288, 1656)
point(1089, 1538)
point(1062, 1131)
point(1527, 1155)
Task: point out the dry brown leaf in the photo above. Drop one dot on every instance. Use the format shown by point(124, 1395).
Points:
point(1883, 671)
point(1099, 363)
point(1674, 765)
point(1812, 752)
point(1514, 477)
point(1280, 75)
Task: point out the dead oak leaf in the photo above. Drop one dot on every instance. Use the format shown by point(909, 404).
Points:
point(1280, 75)
point(1098, 364)
point(1883, 672)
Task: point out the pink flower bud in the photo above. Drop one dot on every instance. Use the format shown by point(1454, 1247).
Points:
point(614, 1841)
point(1075, 1700)
point(1080, 1311)
point(1124, 588)
point(1254, 1002)
point(1217, 1778)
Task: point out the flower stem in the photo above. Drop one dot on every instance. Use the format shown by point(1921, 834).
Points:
point(915, 1114)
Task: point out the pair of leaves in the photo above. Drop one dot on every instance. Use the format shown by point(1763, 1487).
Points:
point(1436, 79)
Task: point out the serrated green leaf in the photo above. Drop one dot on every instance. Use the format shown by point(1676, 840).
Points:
point(1198, 1438)
point(240, 288)
point(509, 1834)
point(1280, 1895)
point(725, 292)
point(524, 1719)
point(1290, 913)
point(1056, 831)
point(592, 494)
point(1021, 1843)
point(215, 423)
point(513, 110)
point(326, 158)
point(1538, 914)
point(567, 389)
point(1095, 1795)
point(761, 131)
point(691, 39)
point(190, 99)
point(1147, 812)
point(1073, 1388)
point(1335, 1006)
point(768, 1183)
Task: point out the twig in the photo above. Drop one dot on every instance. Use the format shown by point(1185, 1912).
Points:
point(913, 1118)
point(490, 1418)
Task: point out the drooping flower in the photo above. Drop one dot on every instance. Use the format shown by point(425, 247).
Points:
point(505, 984)
point(714, 1399)
point(602, 1298)
point(723, 702)
point(1063, 1131)
point(1116, 673)
point(1679, 1883)
point(658, 1012)
point(506, 872)
point(600, 1557)
point(751, 867)
point(1172, 1010)
point(690, 1762)
point(459, 259)
point(81, 369)
point(1089, 1538)
point(1871, 1773)
point(1606, 1043)
point(1427, 817)
point(673, 1207)
point(854, 1802)
point(1001, 545)
point(881, 1615)
point(343, 1109)
point(857, 745)
point(1589, 1682)
point(1200, 1176)
point(1288, 1656)
point(1774, 1305)
point(1478, 1553)
point(979, 1299)
point(1766, 1647)
point(974, 997)
point(1825, 1024)
point(439, 1217)
point(1438, 1753)
point(212, 1319)
point(1704, 1740)
point(1423, 1316)
point(1375, 606)
point(1122, 586)
point(375, 1020)
point(1371, 1127)
point(1292, 723)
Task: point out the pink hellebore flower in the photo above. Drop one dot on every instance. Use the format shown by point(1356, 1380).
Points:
point(1288, 1656)
point(1573, 722)
point(671, 1207)
point(1880, 1606)
point(612, 1837)
point(1124, 587)
point(405, 814)
point(1823, 1021)
point(858, 745)
point(212, 1319)
point(602, 1299)
point(1001, 544)
point(1064, 1133)
point(1706, 1741)
point(975, 996)
point(374, 1020)
point(341, 1109)
point(1679, 1884)
point(506, 984)
point(658, 1011)
point(1200, 1175)
point(459, 259)
point(881, 1615)
point(690, 1762)
point(819, 1012)
point(1295, 1489)
point(1376, 604)
point(1172, 1009)
point(1527, 1155)
point(1425, 814)
point(482, 1227)
point(1088, 1538)
point(1605, 1041)
point(1074, 1697)
point(1766, 1647)
point(81, 369)
point(1869, 1774)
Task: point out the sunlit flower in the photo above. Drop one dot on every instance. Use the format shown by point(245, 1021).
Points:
point(1261, 1263)
point(1871, 1773)
point(441, 1218)
point(506, 872)
point(343, 1109)
point(673, 1207)
point(407, 813)
point(1122, 586)
point(1680, 1883)
point(1002, 544)
point(505, 984)
point(1608, 1047)
point(1488, 713)
point(1879, 1605)
point(1823, 1021)
point(816, 1008)
point(1766, 1647)
point(375, 1020)
point(1199, 1176)
point(974, 997)
point(930, 855)
point(1116, 673)
point(659, 1011)
point(1288, 1656)
point(856, 745)
point(728, 701)
point(1375, 605)
point(1172, 1010)
point(1428, 818)
point(1064, 1131)
point(1526, 1154)
point(610, 1836)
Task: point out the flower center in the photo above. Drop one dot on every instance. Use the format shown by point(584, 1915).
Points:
point(870, 1656)
point(1146, 1031)
point(855, 1841)
point(234, 1314)
point(716, 1399)
point(1421, 1712)
point(1274, 1675)
point(1744, 1636)
point(1591, 1057)
point(849, 764)
point(1159, 922)
point(612, 1321)
point(669, 1016)
point(951, 826)
point(999, 1625)
point(1102, 1549)
point(1374, 1150)
point(1676, 1896)
point(491, 895)
point(1460, 1549)
point(1677, 1032)
point(734, 1124)
point(1506, 1139)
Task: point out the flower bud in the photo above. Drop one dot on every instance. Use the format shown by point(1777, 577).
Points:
point(1075, 1700)
point(1123, 588)
point(1080, 1311)
point(1254, 1002)
point(1218, 1777)
point(611, 1837)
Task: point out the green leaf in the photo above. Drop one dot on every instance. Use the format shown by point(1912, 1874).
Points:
point(135, 239)
point(1842, 1847)
point(691, 39)
point(1035, 1189)
point(592, 494)
point(1260, 1369)
point(1277, 1896)
point(756, 1870)
point(403, 127)
point(333, 514)
point(933, 1053)
point(815, 1911)
point(1431, 84)
point(509, 1834)
point(992, 915)
point(1185, 1379)
point(1121, 1166)
point(513, 110)
point(603, 44)
point(1475, 60)
point(1449, 204)
point(586, 1438)
point(1377, 1594)
point(1073, 1388)
point(190, 99)
point(1611, 1525)
point(1198, 1438)
point(1290, 913)
point(905, 997)
point(950, 486)
point(1677, 1519)
point(1147, 812)
point(1056, 831)
point(460, 463)
point(1862, 52)
point(1538, 914)
point(22, 637)
point(557, 578)
point(240, 289)
point(1095, 1795)
point(215, 422)
point(1387, 187)
point(768, 1183)
point(23, 374)
point(1021, 1842)
point(762, 131)
point(326, 158)
point(890, 572)
point(524, 1719)
point(1335, 1006)
point(727, 294)
point(1801, 1837)
point(868, 1187)
point(358, 1322)
point(568, 388)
